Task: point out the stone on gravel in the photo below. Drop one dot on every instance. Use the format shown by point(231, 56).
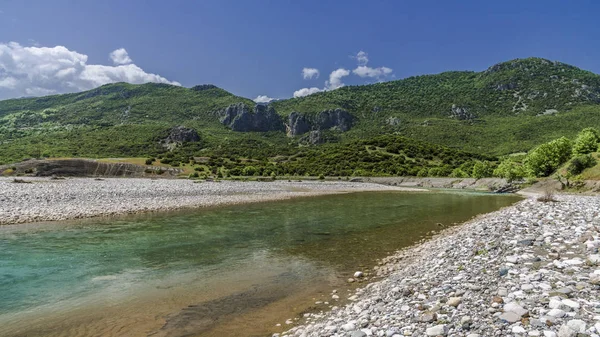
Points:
point(438, 330)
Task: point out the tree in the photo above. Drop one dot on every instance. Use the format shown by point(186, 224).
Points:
point(548, 157)
point(482, 169)
point(510, 170)
point(586, 141)
point(459, 173)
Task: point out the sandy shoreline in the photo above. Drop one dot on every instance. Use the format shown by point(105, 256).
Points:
point(54, 200)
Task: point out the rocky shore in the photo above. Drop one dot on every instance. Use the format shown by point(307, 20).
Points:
point(45, 199)
point(532, 269)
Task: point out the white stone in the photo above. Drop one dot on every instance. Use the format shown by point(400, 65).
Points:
point(556, 313)
point(518, 329)
point(570, 303)
point(516, 308)
point(436, 330)
point(348, 327)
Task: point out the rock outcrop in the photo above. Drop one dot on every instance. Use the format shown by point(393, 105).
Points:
point(338, 119)
point(263, 118)
point(461, 113)
point(180, 134)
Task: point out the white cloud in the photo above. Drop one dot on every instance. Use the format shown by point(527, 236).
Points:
point(362, 58)
point(120, 56)
point(305, 92)
point(364, 71)
point(35, 71)
point(335, 79)
point(263, 99)
point(309, 73)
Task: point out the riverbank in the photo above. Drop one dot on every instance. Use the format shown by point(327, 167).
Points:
point(532, 269)
point(45, 199)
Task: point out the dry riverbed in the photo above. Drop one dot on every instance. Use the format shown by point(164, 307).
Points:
point(43, 199)
point(532, 269)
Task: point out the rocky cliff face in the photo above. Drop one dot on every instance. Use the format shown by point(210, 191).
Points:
point(182, 134)
point(238, 117)
point(300, 123)
point(178, 135)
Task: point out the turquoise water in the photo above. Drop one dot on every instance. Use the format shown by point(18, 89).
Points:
point(95, 264)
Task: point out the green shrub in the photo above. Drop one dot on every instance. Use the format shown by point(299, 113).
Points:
point(149, 161)
point(510, 170)
point(193, 175)
point(548, 157)
point(580, 163)
point(586, 141)
point(482, 169)
point(321, 177)
point(459, 173)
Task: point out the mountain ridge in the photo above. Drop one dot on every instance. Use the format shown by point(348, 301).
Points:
point(509, 107)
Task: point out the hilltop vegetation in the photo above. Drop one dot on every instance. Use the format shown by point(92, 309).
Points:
point(511, 107)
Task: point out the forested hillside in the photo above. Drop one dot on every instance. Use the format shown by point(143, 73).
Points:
point(510, 107)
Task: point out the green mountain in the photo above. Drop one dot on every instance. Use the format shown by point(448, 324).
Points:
point(510, 107)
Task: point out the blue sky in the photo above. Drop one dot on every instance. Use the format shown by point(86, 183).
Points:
point(257, 47)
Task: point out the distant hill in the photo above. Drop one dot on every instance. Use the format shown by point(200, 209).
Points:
point(510, 107)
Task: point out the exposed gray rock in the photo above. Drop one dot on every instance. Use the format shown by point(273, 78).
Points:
point(180, 134)
point(263, 118)
point(298, 124)
point(393, 121)
point(461, 113)
point(506, 86)
point(301, 123)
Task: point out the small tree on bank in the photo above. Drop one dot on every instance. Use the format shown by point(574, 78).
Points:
point(548, 157)
point(586, 141)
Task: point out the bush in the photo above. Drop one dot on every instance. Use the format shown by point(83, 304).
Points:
point(546, 158)
point(459, 173)
point(580, 163)
point(482, 169)
point(510, 170)
point(193, 175)
point(586, 141)
point(548, 196)
point(149, 161)
point(321, 177)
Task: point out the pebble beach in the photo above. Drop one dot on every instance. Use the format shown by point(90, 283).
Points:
point(44, 199)
point(531, 269)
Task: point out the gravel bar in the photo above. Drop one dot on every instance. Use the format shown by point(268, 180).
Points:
point(532, 269)
point(44, 199)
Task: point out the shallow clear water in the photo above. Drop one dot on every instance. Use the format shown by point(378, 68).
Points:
point(105, 276)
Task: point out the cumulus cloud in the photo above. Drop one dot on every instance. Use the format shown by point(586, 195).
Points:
point(263, 99)
point(362, 58)
point(334, 82)
point(306, 91)
point(362, 70)
point(335, 79)
point(309, 73)
point(36, 71)
point(120, 56)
